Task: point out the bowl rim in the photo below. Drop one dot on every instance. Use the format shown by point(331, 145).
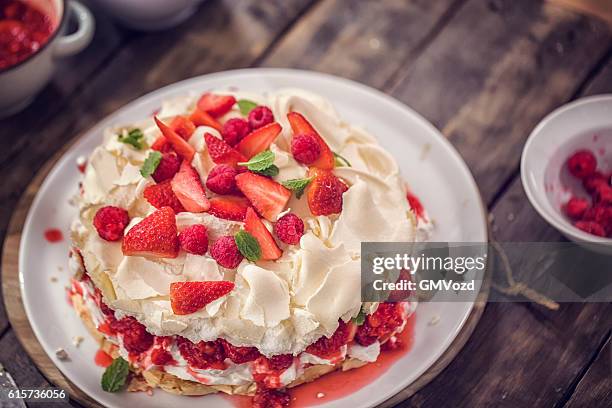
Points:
point(556, 219)
point(52, 37)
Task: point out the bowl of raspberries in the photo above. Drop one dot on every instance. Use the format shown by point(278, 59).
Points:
point(566, 169)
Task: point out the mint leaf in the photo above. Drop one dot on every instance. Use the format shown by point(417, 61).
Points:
point(340, 161)
point(248, 245)
point(297, 185)
point(133, 138)
point(260, 161)
point(360, 318)
point(150, 164)
point(115, 375)
point(271, 171)
point(246, 106)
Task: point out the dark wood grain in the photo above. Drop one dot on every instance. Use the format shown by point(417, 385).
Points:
point(495, 70)
point(369, 41)
point(595, 388)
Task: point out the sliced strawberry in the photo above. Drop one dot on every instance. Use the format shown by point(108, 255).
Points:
point(269, 250)
point(222, 153)
point(188, 188)
point(180, 145)
point(259, 140)
point(182, 126)
point(216, 105)
point(267, 196)
point(229, 208)
point(155, 236)
point(161, 195)
point(201, 118)
point(161, 145)
point(189, 297)
point(325, 193)
point(299, 125)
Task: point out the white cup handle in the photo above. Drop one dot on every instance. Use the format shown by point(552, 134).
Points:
point(70, 44)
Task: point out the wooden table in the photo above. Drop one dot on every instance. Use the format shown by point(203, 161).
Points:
point(484, 72)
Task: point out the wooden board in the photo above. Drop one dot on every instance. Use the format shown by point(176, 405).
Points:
point(21, 327)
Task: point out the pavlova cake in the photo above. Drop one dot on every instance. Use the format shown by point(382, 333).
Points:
point(217, 246)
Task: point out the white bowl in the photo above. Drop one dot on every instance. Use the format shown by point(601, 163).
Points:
point(582, 124)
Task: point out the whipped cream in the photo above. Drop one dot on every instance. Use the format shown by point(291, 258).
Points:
point(279, 307)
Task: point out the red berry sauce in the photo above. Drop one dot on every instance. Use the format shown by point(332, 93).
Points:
point(23, 31)
point(53, 235)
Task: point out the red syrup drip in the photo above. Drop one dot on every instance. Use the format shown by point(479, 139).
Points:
point(53, 235)
point(340, 383)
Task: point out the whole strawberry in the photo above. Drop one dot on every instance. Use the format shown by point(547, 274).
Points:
point(110, 222)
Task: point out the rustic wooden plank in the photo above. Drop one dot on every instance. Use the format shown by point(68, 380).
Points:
point(495, 71)
point(595, 388)
point(368, 41)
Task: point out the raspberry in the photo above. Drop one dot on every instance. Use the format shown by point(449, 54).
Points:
point(237, 354)
point(161, 357)
point(136, 339)
point(280, 362)
point(205, 354)
point(221, 179)
point(260, 117)
point(234, 130)
point(110, 222)
point(381, 324)
point(603, 194)
point(289, 229)
point(166, 169)
point(267, 398)
point(576, 207)
point(194, 239)
point(596, 179)
point(582, 164)
point(226, 253)
point(305, 148)
point(601, 215)
point(591, 227)
point(326, 346)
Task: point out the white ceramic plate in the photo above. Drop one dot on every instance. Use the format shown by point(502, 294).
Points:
point(433, 168)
